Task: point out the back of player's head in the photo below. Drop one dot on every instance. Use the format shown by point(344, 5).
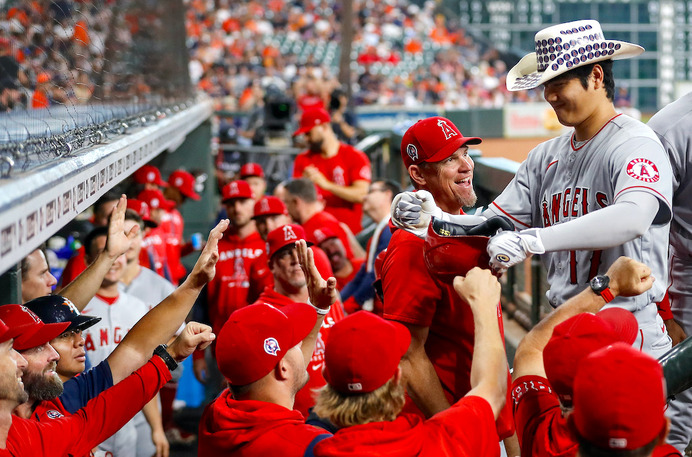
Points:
point(302, 188)
point(619, 402)
point(579, 336)
point(255, 338)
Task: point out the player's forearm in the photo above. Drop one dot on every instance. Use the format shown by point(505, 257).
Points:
point(423, 385)
point(308, 346)
point(611, 226)
point(154, 328)
point(152, 413)
point(354, 193)
point(489, 365)
point(83, 288)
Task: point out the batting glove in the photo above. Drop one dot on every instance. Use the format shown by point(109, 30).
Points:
point(413, 211)
point(507, 249)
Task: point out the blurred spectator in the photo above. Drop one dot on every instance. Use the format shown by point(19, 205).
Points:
point(344, 120)
point(253, 174)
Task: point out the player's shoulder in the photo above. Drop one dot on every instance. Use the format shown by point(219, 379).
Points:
point(630, 128)
point(549, 151)
point(673, 116)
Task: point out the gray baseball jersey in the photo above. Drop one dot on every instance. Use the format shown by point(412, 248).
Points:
point(116, 320)
point(148, 287)
point(561, 181)
point(673, 125)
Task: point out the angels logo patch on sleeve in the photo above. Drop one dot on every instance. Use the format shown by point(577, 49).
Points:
point(643, 170)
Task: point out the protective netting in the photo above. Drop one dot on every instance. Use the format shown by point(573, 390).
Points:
point(74, 73)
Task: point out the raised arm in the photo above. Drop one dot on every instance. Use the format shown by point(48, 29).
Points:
point(84, 287)
point(162, 321)
point(353, 193)
point(627, 278)
point(481, 290)
point(322, 293)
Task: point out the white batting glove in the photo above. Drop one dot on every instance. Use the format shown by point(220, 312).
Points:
point(507, 249)
point(413, 211)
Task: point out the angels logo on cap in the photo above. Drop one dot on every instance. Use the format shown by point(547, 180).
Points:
point(289, 234)
point(412, 152)
point(178, 182)
point(151, 176)
point(264, 205)
point(446, 129)
point(271, 346)
point(234, 188)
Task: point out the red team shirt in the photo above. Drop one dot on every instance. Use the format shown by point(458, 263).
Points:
point(228, 290)
point(541, 428)
point(172, 227)
point(346, 167)
point(154, 253)
point(413, 296)
point(304, 397)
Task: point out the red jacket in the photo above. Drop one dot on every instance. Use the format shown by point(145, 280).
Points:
point(250, 428)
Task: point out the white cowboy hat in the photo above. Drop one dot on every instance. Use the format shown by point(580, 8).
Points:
point(563, 47)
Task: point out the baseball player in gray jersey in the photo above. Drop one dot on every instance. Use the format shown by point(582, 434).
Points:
point(673, 125)
point(591, 195)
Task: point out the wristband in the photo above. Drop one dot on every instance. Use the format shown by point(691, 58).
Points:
point(166, 357)
point(320, 311)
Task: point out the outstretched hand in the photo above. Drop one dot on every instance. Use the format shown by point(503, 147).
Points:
point(205, 267)
point(322, 293)
point(118, 242)
point(629, 278)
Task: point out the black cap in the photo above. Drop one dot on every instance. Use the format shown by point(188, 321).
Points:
point(55, 308)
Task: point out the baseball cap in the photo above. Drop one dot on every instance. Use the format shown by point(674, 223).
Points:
point(269, 206)
point(251, 169)
point(155, 199)
point(33, 332)
point(323, 234)
point(55, 309)
point(256, 337)
point(283, 236)
point(619, 398)
point(363, 352)
point(184, 182)
point(149, 174)
point(431, 140)
point(312, 118)
point(236, 189)
point(7, 333)
point(142, 209)
point(579, 336)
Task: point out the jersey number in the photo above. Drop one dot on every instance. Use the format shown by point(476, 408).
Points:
point(593, 269)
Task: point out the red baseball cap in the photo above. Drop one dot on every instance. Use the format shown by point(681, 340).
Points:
point(155, 199)
point(256, 337)
point(141, 208)
point(312, 118)
point(269, 206)
point(323, 234)
point(431, 140)
point(363, 352)
point(149, 174)
point(185, 183)
point(283, 236)
point(251, 169)
point(619, 398)
point(7, 333)
point(236, 189)
point(30, 330)
point(442, 254)
point(579, 336)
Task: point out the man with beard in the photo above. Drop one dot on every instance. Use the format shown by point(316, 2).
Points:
point(78, 434)
point(156, 327)
point(290, 286)
point(341, 172)
point(437, 366)
point(264, 353)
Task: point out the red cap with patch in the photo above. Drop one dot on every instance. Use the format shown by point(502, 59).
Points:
point(141, 208)
point(251, 169)
point(432, 140)
point(619, 398)
point(363, 352)
point(323, 234)
point(283, 236)
point(236, 189)
point(256, 337)
point(149, 174)
point(155, 199)
point(579, 336)
point(185, 183)
point(269, 206)
point(312, 118)
point(29, 330)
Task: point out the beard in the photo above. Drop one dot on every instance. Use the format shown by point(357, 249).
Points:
point(468, 201)
point(315, 146)
point(40, 387)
